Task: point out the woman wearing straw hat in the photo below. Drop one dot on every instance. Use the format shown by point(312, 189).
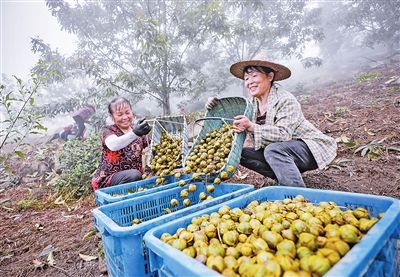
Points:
point(285, 143)
point(122, 146)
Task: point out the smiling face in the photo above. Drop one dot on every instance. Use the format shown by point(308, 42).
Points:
point(257, 83)
point(122, 115)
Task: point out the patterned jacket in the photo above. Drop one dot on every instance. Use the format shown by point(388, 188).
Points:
point(285, 121)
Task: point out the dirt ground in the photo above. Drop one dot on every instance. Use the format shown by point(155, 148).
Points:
point(351, 110)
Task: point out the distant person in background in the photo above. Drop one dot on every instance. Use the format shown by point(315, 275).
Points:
point(122, 146)
point(285, 142)
point(69, 132)
point(81, 116)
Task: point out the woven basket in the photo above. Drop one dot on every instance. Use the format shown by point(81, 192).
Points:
point(224, 112)
point(172, 125)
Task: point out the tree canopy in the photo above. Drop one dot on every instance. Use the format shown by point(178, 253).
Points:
point(164, 49)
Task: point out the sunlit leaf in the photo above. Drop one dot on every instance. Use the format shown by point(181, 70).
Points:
point(37, 263)
point(50, 259)
point(87, 258)
point(89, 234)
point(343, 138)
point(359, 149)
point(20, 154)
point(364, 151)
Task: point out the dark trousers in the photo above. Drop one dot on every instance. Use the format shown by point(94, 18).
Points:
point(125, 176)
point(81, 125)
point(282, 161)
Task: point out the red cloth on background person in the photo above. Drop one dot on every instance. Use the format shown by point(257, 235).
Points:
point(85, 113)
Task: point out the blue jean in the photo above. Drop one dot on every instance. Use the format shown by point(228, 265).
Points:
point(125, 176)
point(282, 161)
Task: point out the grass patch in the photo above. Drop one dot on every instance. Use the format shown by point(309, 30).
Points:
point(29, 203)
point(33, 203)
point(342, 110)
point(367, 76)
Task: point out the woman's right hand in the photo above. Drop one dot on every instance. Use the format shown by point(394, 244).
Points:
point(242, 123)
point(211, 102)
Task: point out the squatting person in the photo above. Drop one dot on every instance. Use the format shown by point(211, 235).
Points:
point(285, 142)
point(122, 146)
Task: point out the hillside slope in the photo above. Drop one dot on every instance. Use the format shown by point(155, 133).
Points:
point(359, 110)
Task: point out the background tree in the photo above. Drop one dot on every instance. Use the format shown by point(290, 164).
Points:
point(350, 27)
point(163, 49)
point(375, 22)
point(140, 48)
point(280, 29)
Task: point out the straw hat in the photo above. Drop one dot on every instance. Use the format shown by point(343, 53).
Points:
point(281, 72)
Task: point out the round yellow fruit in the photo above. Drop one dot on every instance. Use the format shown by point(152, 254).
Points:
point(184, 193)
point(186, 202)
point(192, 188)
point(202, 195)
point(224, 175)
point(174, 202)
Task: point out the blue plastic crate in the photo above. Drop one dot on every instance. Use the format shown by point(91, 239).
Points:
point(121, 192)
point(373, 255)
point(126, 255)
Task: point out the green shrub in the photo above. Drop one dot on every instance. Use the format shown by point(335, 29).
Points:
point(78, 160)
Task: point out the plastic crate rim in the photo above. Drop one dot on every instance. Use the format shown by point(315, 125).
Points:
point(391, 216)
point(120, 231)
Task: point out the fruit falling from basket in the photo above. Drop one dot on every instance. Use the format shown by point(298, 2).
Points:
point(167, 155)
point(291, 237)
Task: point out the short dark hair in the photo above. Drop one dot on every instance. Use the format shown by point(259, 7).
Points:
point(118, 101)
point(261, 69)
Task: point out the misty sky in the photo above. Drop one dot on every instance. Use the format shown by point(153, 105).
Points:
point(21, 20)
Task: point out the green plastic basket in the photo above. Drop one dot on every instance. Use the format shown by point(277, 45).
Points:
point(224, 112)
point(172, 125)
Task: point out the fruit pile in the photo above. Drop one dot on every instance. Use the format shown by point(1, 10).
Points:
point(291, 237)
point(211, 153)
point(167, 155)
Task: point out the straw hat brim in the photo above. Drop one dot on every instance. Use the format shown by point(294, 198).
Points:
point(281, 72)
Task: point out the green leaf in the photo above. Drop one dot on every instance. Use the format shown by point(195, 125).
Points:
point(20, 154)
point(31, 101)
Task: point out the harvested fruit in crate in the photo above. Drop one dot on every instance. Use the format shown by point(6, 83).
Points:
point(129, 191)
point(167, 155)
point(211, 153)
point(291, 237)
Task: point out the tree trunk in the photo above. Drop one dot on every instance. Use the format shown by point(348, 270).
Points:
point(166, 105)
